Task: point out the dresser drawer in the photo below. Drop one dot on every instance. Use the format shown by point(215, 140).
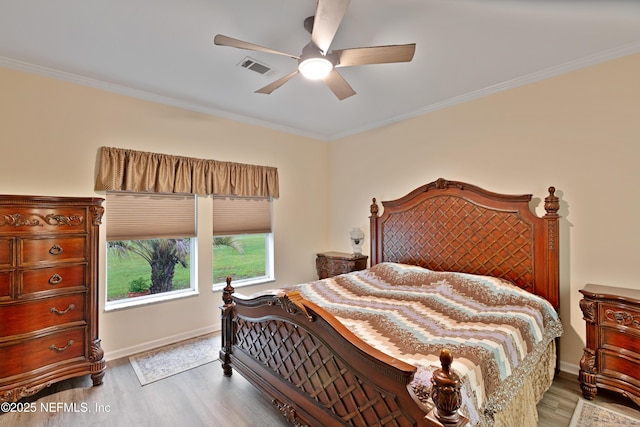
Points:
point(6, 252)
point(616, 339)
point(617, 365)
point(52, 278)
point(39, 220)
point(23, 317)
point(38, 353)
point(620, 315)
point(50, 250)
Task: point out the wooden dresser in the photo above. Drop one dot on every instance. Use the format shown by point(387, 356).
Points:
point(611, 359)
point(48, 292)
point(329, 264)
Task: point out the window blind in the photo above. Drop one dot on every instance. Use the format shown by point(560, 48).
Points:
point(241, 215)
point(140, 216)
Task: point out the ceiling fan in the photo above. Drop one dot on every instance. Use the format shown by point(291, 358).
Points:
point(316, 61)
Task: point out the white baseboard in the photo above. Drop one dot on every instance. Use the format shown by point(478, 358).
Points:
point(149, 345)
point(569, 368)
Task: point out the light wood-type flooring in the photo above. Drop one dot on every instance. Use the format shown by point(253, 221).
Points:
point(204, 397)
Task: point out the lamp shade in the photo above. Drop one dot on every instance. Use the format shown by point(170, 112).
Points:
point(357, 239)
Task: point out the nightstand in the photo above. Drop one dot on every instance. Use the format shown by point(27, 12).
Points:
point(329, 264)
point(611, 358)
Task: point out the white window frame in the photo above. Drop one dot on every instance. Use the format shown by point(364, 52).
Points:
point(269, 267)
point(269, 250)
point(164, 296)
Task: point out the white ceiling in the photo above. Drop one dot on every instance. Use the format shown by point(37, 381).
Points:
point(163, 50)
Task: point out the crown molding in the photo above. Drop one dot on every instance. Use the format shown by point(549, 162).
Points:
point(148, 96)
point(546, 73)
point(587, 61)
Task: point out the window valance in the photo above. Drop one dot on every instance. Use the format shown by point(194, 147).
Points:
point(138, 171)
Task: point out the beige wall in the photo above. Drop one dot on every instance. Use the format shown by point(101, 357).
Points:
point(579, 132)
point(50, 132)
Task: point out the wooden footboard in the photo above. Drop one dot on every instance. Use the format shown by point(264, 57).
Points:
point(318, 373)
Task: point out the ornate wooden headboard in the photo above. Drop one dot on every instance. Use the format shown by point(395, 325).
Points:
point(454, 226)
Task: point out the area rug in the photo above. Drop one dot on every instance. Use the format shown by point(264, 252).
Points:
point(588, 414)
point(172, 359)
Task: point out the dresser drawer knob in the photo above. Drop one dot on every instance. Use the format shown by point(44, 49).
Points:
point(55, 250)
point(61, 349)
point(56, 311)
point(55, 279)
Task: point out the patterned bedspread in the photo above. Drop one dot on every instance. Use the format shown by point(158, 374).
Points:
point(495, 330)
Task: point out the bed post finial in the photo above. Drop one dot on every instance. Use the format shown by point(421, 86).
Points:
point(374, 207)
point(552, 203)
point(446, 394)
point(227, 292)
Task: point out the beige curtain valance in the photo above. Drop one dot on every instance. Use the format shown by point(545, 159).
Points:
point(138, 171)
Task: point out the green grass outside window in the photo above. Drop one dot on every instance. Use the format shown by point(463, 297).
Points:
point(226, 262)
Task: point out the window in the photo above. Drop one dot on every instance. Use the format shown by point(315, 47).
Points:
point(242, 240)
point(151, 238)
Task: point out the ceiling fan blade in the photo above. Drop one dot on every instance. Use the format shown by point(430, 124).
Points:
point(275, 85)
point(221, 40)
point(326, 21)
point(375, 55)
point(339, 85)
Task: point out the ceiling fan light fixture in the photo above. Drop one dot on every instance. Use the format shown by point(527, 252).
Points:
point(315, 68)
point(316, 61)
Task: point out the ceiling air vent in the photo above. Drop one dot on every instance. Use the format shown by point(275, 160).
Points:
point(256, 66)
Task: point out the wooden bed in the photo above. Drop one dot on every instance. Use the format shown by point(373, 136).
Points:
point(318, 373)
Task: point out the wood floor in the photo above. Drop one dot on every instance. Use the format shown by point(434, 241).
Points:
point(204, 397)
